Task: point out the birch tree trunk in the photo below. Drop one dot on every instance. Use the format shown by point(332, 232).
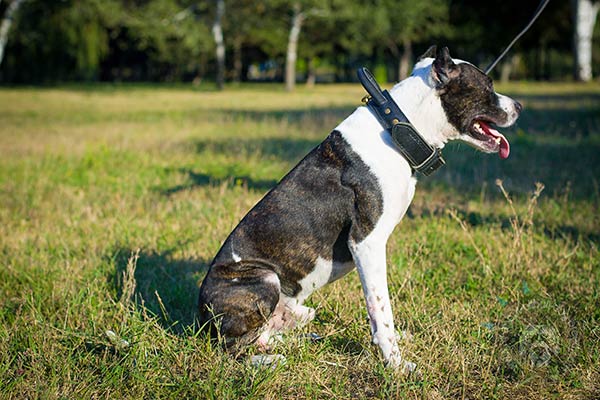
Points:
point(292, 48)
point(7, 20)
point(584, 19)
point(217, 32)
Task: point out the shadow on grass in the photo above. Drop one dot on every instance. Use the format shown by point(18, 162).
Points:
point(165, 285)
point(321, 118)
point(200, 180)
point(572, 168)
point(558, 163)
point(476, 219)
point(290, 149)
point(346, 345)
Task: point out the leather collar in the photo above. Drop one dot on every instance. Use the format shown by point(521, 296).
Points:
point(421, 156)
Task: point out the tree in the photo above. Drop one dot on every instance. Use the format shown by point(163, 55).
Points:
point(398, 24)
point(301, 10)
point(6, 23)
point(298, 16)
point(584, 19)
point(217, 32)
point(60, 40)
point(481, 33)
point(162, 40)
point(332, 34)
point(249, 26)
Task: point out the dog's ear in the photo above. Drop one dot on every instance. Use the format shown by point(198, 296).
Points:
point(443, 69)
point(430, 53)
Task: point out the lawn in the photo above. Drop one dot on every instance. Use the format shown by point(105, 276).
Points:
point(114, 199)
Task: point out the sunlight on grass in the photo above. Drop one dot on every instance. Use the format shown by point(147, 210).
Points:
point(114, 201)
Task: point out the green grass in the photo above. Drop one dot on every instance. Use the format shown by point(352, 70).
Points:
point(114, 199)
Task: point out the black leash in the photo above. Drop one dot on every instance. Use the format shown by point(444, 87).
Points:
point(420, 155)
point(536, 14)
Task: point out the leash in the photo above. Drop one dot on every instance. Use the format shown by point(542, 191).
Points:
point(536, 14)
point(420, 155)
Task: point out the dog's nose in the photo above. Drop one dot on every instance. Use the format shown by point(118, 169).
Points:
point(518, 107)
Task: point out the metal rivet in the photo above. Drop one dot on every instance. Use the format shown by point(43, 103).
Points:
point(387, 111)
point(395, 121)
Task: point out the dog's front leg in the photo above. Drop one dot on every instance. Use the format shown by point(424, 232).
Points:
point(370, 259)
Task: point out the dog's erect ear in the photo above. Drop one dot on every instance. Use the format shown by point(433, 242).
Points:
point(430, 53)
point(443, 69)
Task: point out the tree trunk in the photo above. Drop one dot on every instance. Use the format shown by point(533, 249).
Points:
point(217, 32)
point(508, 67)
point(7, 20)
point(237, 59)
point(505, 71)
point(311, 75)
point(292, 48)
point(584, 19)
point(404, 65)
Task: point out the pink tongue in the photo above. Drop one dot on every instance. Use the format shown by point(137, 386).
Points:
point(504, 145)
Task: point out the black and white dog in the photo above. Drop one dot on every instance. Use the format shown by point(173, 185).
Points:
point(336, 209)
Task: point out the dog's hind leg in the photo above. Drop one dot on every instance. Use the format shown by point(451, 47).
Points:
point(238, 299)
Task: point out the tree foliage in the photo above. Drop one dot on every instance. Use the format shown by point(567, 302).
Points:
point(171, 40)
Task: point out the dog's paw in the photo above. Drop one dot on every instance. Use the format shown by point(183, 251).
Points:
point(402, 366)
point(409, 368)
point(268, 340)
point(267, 360)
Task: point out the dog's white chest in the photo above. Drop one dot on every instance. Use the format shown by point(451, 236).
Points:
point(367, 138)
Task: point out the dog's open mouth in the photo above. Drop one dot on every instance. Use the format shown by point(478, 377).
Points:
point(494, 141)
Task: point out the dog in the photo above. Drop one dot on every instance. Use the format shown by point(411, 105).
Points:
point(336, 209)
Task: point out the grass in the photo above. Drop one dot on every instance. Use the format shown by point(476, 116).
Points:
point(113, 200)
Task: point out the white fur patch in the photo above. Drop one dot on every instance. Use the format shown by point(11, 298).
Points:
point(315, 280)
point(366, 137)
point(235, 257)
point(272, 279)
point(508, 105)
point(324, 272)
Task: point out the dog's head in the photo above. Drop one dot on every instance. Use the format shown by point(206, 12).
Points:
point(471, 107)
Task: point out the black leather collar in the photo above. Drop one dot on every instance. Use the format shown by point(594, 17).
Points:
point(420, 155)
